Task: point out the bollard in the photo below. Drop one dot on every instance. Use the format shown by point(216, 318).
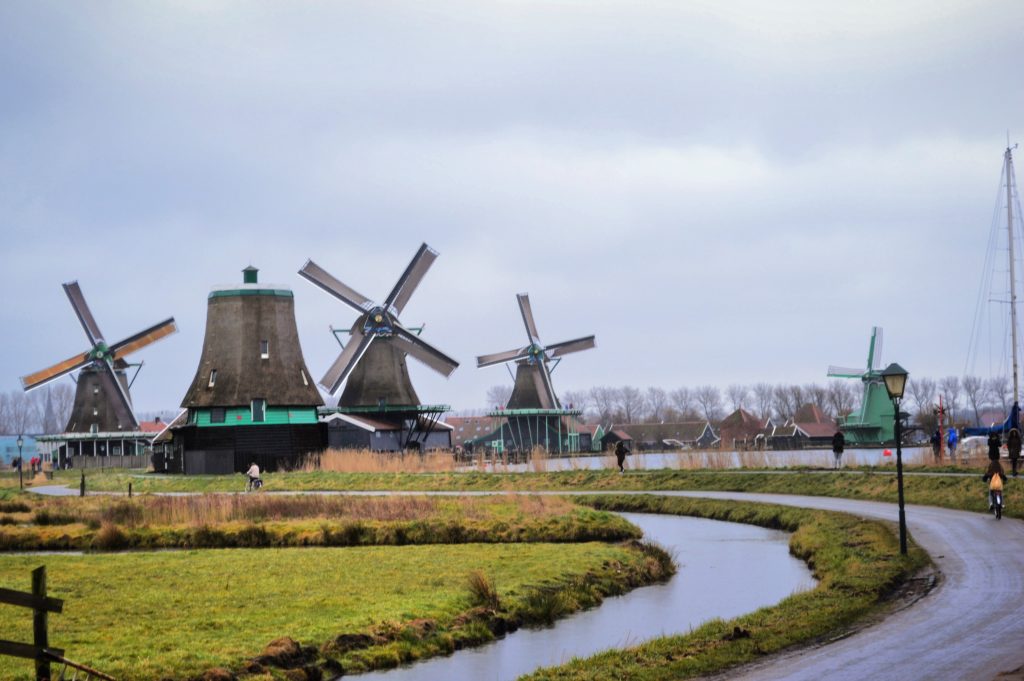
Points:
point(81, 486)
point(129, 490)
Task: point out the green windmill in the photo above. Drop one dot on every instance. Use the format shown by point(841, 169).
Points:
point(872, 423)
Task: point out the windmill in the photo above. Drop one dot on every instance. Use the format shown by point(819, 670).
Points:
point(533, 412)
point(374, 358)
point(372, 365)
point(102, 402)
point(873, 421)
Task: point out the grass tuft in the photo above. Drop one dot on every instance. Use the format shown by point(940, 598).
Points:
point(482, 591)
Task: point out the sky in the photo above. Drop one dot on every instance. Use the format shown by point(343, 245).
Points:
point(722, 192)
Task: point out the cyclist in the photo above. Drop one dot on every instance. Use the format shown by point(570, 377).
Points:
point(254, 476)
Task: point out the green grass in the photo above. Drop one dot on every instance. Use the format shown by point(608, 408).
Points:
point(239, 521)
point(857, 564)
point(967, 493)
point(174, 614)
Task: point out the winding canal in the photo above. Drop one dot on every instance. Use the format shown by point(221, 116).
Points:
point(725, 570)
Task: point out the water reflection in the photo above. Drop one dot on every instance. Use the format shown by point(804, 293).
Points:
point(725, 570)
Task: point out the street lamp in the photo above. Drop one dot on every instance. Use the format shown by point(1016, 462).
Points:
point(895, 378)
point(21, 462)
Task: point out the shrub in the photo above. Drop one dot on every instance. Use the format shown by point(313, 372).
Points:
point(45, 517)
point(109, 538)
point(482, 590)
point(14, 507)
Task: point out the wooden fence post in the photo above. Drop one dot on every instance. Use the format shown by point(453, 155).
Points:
point(40, 638)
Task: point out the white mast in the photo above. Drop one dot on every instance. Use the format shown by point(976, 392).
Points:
point(1013, 277)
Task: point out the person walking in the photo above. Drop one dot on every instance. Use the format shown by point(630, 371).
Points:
point(994, 443)
point(951, 441)
point(1013, 448)
point(936, 445)
point(838, 443)
point(620, 455)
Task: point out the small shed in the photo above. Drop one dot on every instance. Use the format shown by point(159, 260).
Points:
point(615, 436)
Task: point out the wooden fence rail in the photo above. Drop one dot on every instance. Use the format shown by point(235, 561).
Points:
point(39, 650)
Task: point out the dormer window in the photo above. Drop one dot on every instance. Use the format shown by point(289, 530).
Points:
point(264, 349)
point(259, 410)
point(213, 378)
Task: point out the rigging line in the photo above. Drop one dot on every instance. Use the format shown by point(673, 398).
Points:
point(988, 272)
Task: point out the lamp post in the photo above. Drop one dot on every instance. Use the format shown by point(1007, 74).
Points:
point(21, 462)
point(895, 378)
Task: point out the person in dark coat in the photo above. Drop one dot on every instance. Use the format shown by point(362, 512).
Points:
point(995, 471)
point(838, 443)
point(1013, 447)
point(620, 455)
point(994, 443)
point(936, 445)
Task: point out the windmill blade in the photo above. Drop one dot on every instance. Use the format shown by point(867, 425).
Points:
point(347, 360)
point(502, 357)
point(118, 396)
point(531, 326)
point(875, 351)
point(143, 338)
point(92, 329)
point(413, 345)
point(322, 278)
point(56, 371)
point(410, 279)
point(542, 382)
point(567, 347)
point(845, 372)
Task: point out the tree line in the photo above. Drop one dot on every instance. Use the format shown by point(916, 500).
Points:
point(965, 399)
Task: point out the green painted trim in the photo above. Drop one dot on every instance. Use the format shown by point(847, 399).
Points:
point(242, 416)
point(536, 412)
point(388, 408)
point(280, 293)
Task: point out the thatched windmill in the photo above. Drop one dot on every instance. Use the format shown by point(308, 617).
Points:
point(372, 365)
point(252, 398)
point(103, 403)
point(534, 416)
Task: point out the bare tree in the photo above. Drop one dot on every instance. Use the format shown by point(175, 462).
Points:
point(817, 395)
point(5, 414)
point(630, 403)
point(21, 415)
point(709, 400)
point(763, 393)
point(1000, 392)
point(782, 402)
point(603, 401)
point(682, 402)
point(63, 396)
point(842, 397)
point(922, 391)
point(738, 395)
point(657, 404)
point(950, 389)
point(974, 391)
point(576, 399)
point(498, 395)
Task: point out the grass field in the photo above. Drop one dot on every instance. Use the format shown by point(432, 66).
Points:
point(150, 615)
point(951, 491)
point(230, 521)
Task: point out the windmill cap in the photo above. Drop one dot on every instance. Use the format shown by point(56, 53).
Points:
point(249, 275)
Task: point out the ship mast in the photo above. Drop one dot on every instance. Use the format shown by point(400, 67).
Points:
point(1013, 277)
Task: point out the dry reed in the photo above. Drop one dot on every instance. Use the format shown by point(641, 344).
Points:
point(369, 461)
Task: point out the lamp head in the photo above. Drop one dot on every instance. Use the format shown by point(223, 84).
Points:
point(895, 378)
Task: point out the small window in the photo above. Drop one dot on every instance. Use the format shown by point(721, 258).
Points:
point(95, 411)
point(264, 349)
point(259, 410)
point(305, 381)
point(95, 390)
point(94, 428)
point(213, 378)
point(217, 415)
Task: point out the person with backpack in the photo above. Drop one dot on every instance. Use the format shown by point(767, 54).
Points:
point(838, 444)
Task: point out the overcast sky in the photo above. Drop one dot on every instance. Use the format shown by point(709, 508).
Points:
point(722, 191)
